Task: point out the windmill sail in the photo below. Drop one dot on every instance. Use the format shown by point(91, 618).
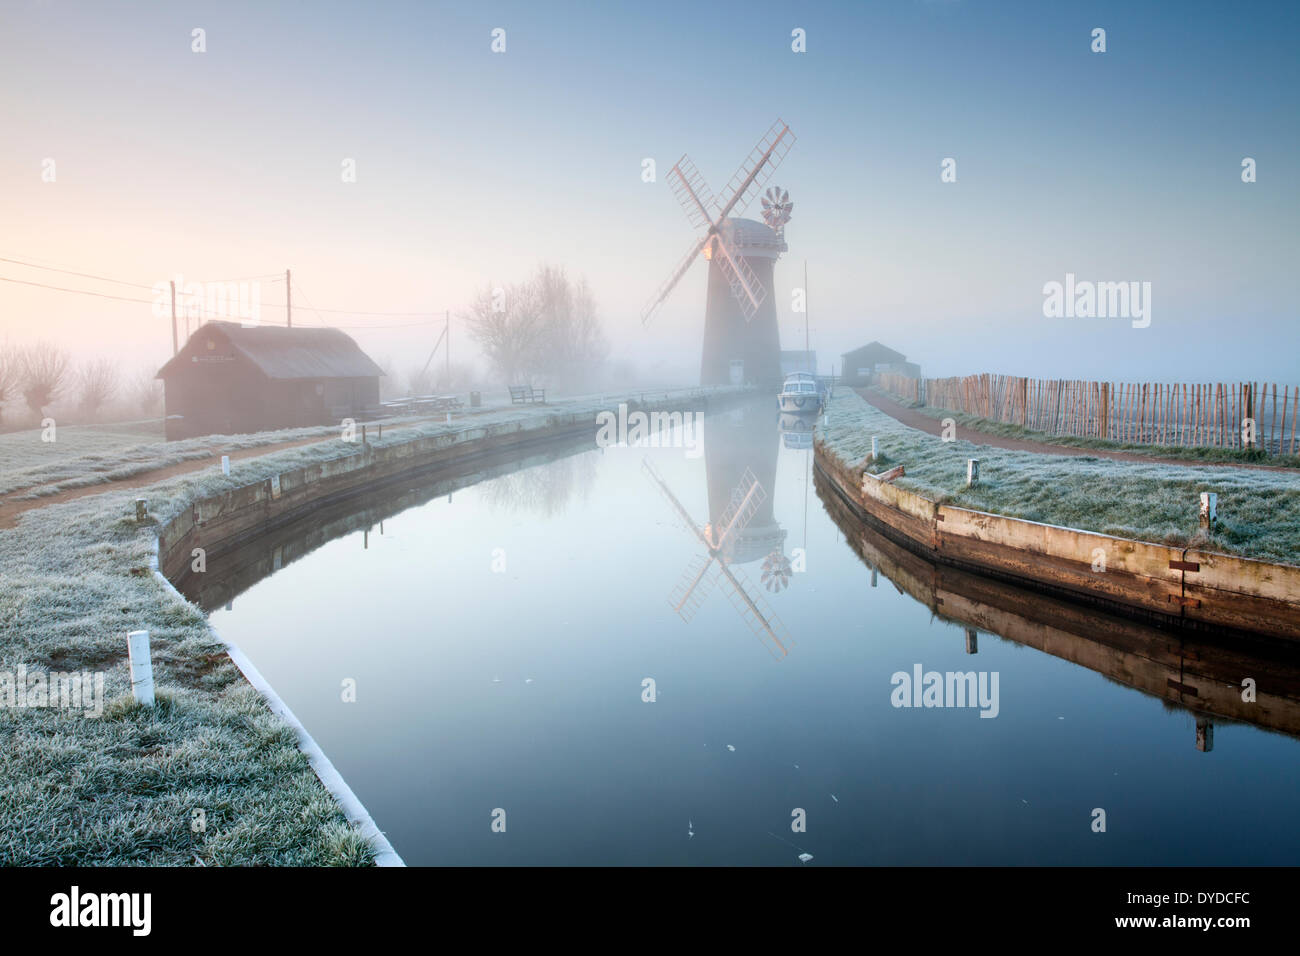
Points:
point(687, 260)
point(693, 193)
point(705, 212)
point(757, 168)
point(746, 498)
point(745, 285)
point(754, 610)
point(694, 586)
point(690, 591)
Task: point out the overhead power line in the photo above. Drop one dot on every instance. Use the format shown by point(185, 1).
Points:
point(84, 275)
point(430, 317)
point(102, 295)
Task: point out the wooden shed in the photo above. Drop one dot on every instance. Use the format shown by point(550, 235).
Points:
point(230, 379)
point(860, 365)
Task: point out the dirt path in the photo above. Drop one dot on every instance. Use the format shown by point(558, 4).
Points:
point(915, 419)
point(10, 508)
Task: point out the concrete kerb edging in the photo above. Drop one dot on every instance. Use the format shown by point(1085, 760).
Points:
point(325, 770)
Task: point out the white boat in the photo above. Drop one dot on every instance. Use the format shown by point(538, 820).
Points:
point(800, 395)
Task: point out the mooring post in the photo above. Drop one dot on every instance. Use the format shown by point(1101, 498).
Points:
point(381, 431)
point(1209, 509)
point(141, 509)
point(1204, 734)
point(875, 448)
point(225, 465)
point(972, 471)
point(137, 646)
point(363, 434)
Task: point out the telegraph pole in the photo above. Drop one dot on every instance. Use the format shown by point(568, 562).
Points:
point(288, 299)
point(175, 342)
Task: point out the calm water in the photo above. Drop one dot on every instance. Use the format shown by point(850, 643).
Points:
point(521, 688)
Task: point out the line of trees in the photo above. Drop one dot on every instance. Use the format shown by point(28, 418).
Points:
point(542, 330)
point(42, 375)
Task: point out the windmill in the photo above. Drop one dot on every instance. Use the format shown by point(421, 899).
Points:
point(718, 539)
point(740, 329)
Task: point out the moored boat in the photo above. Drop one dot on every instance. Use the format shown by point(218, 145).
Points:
point(800, 395)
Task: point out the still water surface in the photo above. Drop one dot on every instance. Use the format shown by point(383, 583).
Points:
point(499, 638)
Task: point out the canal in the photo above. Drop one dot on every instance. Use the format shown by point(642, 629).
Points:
point(500, 650)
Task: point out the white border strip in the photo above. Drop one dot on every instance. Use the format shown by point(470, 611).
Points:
point(333, 781)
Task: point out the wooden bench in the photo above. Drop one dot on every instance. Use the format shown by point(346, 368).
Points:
point(526, 395)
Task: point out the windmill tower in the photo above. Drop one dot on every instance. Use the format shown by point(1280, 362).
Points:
point(740, 330)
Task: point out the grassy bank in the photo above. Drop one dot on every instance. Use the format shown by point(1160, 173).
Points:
point(86, 455)
point(1259, 511)
point(123, 787)
point(1205, 453)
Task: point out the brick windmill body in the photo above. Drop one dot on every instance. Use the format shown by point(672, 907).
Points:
point(741, 339)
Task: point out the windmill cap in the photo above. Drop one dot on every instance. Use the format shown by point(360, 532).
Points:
point(752, 237)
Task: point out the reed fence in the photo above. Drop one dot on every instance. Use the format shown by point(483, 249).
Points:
point(1254, 415)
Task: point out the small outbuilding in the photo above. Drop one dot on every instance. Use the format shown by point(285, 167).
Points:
point(230, 379)
point(861, 364)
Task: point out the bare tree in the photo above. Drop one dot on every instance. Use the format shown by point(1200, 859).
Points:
point(147, 391)
point(543, 328)
point(575, 346)
point(10, 374)
point(507, 324)
point(97, 383)
point(44, 374)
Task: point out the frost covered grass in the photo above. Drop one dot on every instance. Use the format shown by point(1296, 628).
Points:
point(122, 788)
point(1205, 453)
point(86, 455)
point(1259, 510)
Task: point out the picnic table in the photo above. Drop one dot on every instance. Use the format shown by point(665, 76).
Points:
point(424, 403)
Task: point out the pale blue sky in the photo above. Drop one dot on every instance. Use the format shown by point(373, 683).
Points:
point(473, 167)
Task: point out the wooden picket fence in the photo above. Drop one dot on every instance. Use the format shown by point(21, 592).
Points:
point(1214, 414)
point(900, 386)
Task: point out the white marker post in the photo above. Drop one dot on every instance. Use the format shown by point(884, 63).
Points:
point(1209, 509)
point(225, 465)
point(137, 644)
point(875, 449)
point(972, 471)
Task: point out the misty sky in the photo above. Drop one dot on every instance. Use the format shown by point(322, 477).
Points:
point(473, 167)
